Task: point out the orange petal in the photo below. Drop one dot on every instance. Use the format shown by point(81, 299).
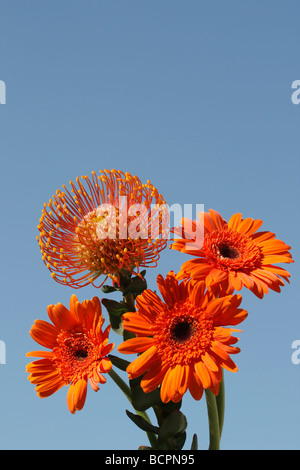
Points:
point(40, 365)
point(256, 224)
point(209, 362)
point(234, 221)
point(45, 354)
point(77, 395)
point(61, 317)
point(135, 345)
point(44, 333)
point(203, 374)
point(218, 220)
point(195, 385)
point(166, 392)
point(153, 378)
point(142, 363)
point(136, 323)
point(45, 389)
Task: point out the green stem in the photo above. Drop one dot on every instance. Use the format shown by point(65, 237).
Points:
point(121, 384)
point(129, 299)
point(220, 399)
point(127, 392)
point(213, 420)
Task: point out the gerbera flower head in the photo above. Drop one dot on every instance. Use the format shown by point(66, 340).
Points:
point(183, 340)
point(78, 351)
point(102, 226)
point(232, 254)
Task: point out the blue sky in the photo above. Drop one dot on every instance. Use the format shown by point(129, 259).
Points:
point(196, 97)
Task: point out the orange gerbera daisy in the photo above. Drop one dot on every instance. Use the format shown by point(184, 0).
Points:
point(232, 255)
point(110, 224)
point(182, 342)
point(78, 351)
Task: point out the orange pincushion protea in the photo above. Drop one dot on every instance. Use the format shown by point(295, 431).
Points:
point(233, 254)
point(78, 351)
point(111, 224)
point(183, 341)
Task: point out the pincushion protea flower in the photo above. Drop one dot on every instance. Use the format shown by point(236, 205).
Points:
point(233, 254)
point(110, 224)
point(183, 341)
point(78, 351)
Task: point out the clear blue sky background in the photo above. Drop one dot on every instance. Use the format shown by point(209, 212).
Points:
point(193, 95)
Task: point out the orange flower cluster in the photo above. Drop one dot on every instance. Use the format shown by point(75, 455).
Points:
point(182, 340)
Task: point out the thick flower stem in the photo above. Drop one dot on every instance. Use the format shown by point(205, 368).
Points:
point(127, 392)
point(220, 400)
point(213, 420)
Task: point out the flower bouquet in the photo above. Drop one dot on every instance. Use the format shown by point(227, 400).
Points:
point(111, 227)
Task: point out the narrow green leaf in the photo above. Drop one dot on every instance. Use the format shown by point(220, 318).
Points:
point(118, 362)
point(108, 289)
point(142, 423)
point(194, 445)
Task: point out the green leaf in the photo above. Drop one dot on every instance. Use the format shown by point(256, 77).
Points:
point(178, 441)
point(115, 308)
point(194, 445)
point(115, 312)
point(142, 423)
point(116, 324)
point(125, 279)
point(136, 286)
point(108, 289)
point(171, 406)
point(141, 401)
point(173, 426)
point(118, 362)
point(128, 335)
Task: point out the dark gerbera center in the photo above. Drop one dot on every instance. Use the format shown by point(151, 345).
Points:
point(182, 332)
point(74, 354)
point(81, 354)
point(231, 250)
point(228, 251)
